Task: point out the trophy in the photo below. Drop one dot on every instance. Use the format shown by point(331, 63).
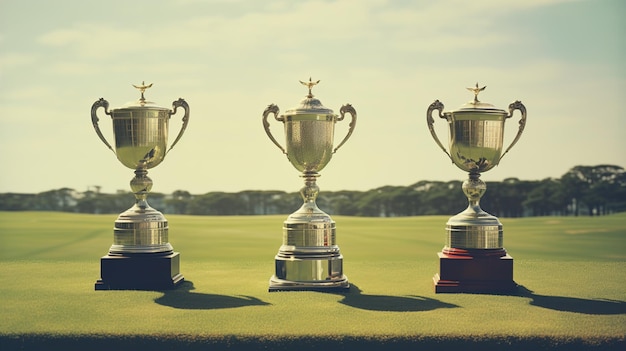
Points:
point(473, 258)
point(141, 256)
point(309, 258)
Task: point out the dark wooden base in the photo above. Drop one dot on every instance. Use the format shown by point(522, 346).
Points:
point(140, 272)
point(474, 271)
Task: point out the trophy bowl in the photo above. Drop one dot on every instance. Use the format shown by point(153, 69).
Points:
point(476, 133)
point(309, 258)
point(140, 130)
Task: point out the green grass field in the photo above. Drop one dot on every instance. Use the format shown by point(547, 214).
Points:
point(572, 273)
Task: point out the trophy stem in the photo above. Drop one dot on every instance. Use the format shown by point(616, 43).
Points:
point(141, 229)
point(474, 228)
point(474, 189)
point(141, 185)
point(310, 191)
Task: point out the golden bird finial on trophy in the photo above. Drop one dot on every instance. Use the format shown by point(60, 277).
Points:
point(310, 84)
point(142, 88)
point(476, 90)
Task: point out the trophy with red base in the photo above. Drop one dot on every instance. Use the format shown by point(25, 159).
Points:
point(473, 259)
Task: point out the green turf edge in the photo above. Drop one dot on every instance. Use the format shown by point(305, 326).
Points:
point(158, 342)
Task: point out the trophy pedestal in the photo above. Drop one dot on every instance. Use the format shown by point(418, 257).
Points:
point(309, 259)
point(154, 271)
point(474, 271)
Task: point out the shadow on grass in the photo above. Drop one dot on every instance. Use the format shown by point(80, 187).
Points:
point(183, 298)
point(573, 304)
point(411, 303)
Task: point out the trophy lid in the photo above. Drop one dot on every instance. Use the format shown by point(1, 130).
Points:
point(479, 106)
point(309, 105)
point(142, 103)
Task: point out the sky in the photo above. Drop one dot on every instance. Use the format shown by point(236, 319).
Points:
point(565, 60)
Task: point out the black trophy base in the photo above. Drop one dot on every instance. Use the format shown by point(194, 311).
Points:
point(475, 271)
point(140, 272)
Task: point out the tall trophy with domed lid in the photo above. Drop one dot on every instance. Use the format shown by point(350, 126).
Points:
point(309, 258)
point(473, 258)
point(141, 256)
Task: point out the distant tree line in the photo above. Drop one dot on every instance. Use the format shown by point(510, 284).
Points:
point(583, 190)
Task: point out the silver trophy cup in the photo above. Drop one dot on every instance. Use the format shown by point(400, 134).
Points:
point(476, 144)
point(309, 258)
point(141, 256)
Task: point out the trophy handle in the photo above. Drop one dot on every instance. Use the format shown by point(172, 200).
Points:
point(266, 125)
point(94, 119)
point(176, 104)
point(347, 108)
point(437, 105)
point(517, 105)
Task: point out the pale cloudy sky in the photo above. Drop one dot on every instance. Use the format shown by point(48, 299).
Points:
point(565, 60)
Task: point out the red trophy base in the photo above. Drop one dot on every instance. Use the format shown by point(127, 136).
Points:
point(474, 271)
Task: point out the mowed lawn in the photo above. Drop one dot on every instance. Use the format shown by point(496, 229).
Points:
point(572, 273)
